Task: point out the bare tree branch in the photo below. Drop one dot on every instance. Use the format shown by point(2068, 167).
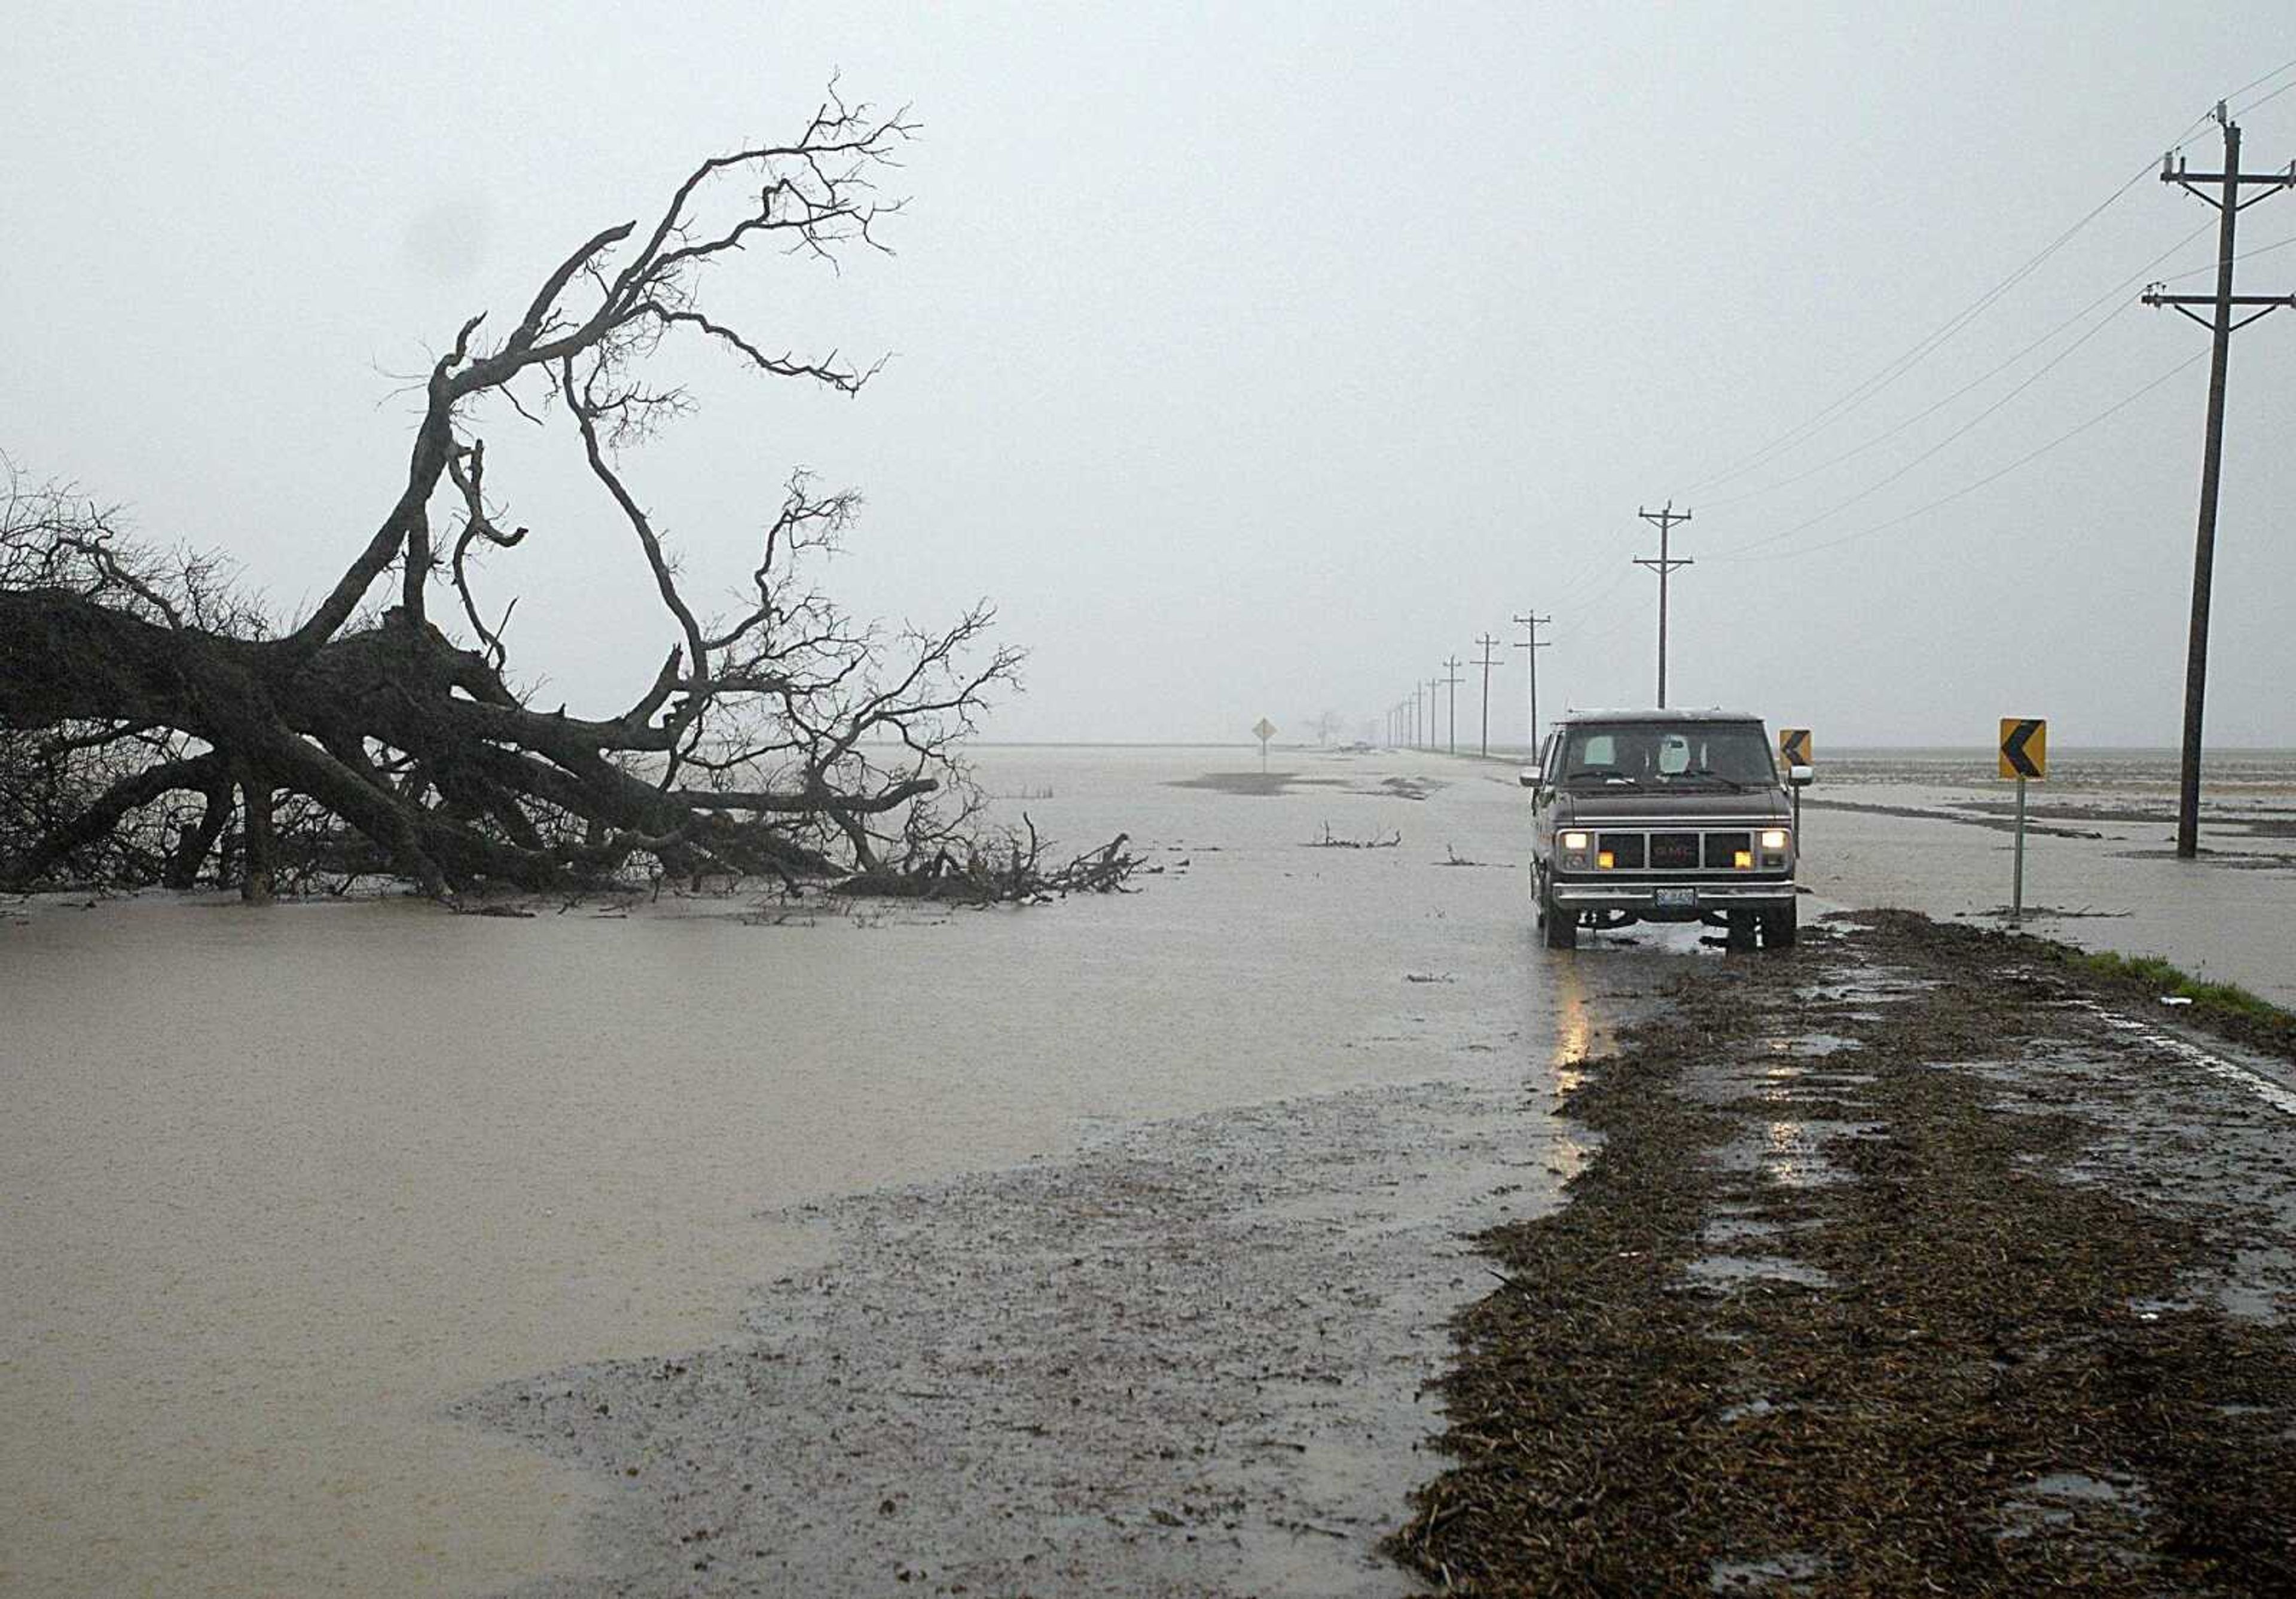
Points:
point(155, 726)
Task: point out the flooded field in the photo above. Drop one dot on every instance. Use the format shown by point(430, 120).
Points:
point(1928, 831)
point(284, 1187)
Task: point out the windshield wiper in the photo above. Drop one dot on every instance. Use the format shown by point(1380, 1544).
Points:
point(1711, 775)
point(1604, 776)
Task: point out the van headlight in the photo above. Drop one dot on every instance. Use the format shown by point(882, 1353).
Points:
point(1575, 846)
point(1775, 839)
point(1574, 841)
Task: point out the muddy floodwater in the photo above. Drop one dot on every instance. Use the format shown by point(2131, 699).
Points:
point(360, 1248)
point(285, 1191)
point(1930, 831)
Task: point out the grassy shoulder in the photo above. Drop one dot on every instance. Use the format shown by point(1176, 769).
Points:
point(2138, 982)
point(2224, 1008)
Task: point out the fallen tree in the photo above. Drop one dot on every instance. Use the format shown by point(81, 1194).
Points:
point(155, 726)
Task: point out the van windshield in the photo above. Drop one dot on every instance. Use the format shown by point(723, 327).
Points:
point(1724, 757)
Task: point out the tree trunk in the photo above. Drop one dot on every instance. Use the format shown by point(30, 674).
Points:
point(256, 799)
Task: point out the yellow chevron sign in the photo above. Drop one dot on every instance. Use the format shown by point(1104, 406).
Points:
point(1794, 747)
point(2024, 747)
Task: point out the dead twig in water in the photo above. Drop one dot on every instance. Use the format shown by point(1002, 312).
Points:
point(1332, 841)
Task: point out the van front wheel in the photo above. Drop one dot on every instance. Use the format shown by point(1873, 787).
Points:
point(1562, 926)
point(1779, 927)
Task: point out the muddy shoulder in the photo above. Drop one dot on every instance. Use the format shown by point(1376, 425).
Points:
point(1912, 1261)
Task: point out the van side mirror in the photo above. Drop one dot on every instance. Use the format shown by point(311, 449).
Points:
point(1527, 778)
point(1801, 777)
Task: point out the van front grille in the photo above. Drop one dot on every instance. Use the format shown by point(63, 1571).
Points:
point(1623, 848)
point(1687, 851)
point(1673, 850)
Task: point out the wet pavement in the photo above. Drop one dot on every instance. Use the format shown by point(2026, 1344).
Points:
point(1910, 1263)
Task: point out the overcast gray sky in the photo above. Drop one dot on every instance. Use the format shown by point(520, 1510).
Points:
point(1254, 359)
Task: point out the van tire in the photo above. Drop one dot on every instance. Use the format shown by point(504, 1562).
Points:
point(1560, 926)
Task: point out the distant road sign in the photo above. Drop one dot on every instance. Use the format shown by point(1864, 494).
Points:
point(1794, 747)
point(2024, 747)
point(1263, 730)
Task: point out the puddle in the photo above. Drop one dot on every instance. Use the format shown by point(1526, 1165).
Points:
point(1791, 1153)
point(1726, 1271)
point(1789, 1571)
point(1733, 1229)
point(2062, 1499)
point(1807, 1044)
point(2076, 1485)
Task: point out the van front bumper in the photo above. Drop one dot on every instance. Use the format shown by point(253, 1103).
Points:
point(1685, 901)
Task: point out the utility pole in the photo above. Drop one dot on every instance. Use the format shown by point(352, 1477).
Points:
point(1451, 676)
point(1664, 521)
point(1486, 663)
point(1417, 724)
point(2229, 205)
point(1532, 644)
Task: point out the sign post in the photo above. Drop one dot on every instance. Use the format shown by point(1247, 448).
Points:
point(1793, 750)
point(2024, 754)
point(1263, 730)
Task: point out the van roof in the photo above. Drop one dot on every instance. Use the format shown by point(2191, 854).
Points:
point(1670, 714)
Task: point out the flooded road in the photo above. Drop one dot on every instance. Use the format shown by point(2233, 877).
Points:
point(285, 1189)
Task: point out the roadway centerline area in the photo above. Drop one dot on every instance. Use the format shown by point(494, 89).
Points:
point(1908, 1265)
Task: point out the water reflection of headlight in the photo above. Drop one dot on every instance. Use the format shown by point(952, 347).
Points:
point(1574, 1025)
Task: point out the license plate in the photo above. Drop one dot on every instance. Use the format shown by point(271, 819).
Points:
point(1674, 899)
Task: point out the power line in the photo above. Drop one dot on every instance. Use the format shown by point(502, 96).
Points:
point(1994, 477)
point(1583, 611)
point(2236, 93)
point(1958, 433)
point(1737, 551)
point(1858, 395)
point(2245, 255)
point(1850, 399)
point(2267, 99)
point(1976, 382)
